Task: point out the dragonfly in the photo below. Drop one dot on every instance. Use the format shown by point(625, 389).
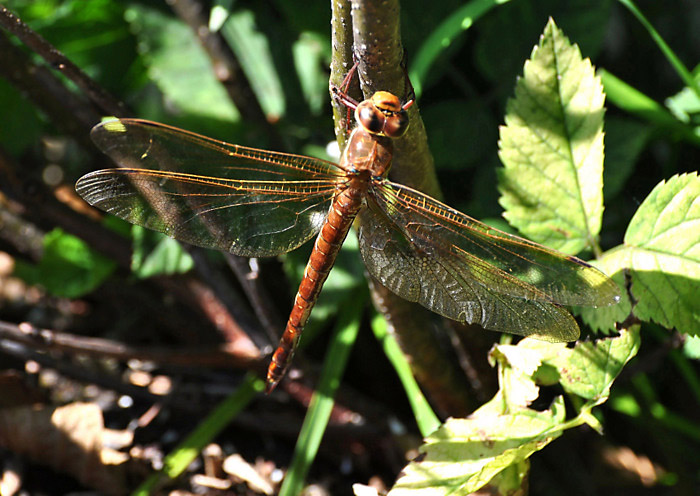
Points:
point(259, 203)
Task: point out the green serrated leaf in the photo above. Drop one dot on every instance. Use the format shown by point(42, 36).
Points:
point(552, 147)
point(517, 366)
point(156, 254)
point(68, 268)
point(179, 66)
point(465, 454)
point(661, 253)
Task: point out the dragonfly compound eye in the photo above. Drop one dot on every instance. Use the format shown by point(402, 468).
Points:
point(396, 124)
point(370, 117)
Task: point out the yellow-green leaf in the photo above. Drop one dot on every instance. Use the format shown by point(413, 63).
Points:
point(465, 454)
point(552, 147)
point(661, 254)
point(589, 369)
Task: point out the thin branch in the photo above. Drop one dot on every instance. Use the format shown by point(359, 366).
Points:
point(341, 62)
point(227, 68)
point(49, 340)
point(377, 42)
point(266, 312)
point(69, 112)
point(227, 315)
point(59, 62)
point(17, 232)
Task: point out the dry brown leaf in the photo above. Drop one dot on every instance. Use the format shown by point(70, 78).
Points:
point(68, 439)
point(634, 465)
point(237, 467)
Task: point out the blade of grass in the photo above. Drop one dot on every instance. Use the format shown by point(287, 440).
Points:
point(660, 413)
point(180, 458)
point(680, 68)
point(443, 36)
point(321, 404)
point(426, 419)
point(635, 102)
point(683, 365)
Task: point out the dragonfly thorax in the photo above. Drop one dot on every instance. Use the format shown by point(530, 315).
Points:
point(367, 152)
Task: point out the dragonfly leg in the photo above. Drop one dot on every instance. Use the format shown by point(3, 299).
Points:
point(340, 93)
point(409, 93)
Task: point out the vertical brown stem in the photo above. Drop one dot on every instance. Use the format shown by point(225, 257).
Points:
point(372, 30)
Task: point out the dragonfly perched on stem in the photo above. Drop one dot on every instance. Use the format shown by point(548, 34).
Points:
point(259, 203)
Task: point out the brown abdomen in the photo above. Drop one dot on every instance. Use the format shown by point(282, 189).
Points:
point(340, 217)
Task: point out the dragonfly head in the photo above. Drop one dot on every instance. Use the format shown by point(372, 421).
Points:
point(383, 114)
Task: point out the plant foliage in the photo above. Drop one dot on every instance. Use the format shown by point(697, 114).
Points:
point(601, 75)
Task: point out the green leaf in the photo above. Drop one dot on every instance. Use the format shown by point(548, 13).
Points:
point(661, 255)
point(465, 454)
point(589, 369)
point(179, 66)
point(309, 54)
point(68, 268)
point(252, 50)
point(156, 254)
point(685, 105)
point(517, 366)
point(552, 147)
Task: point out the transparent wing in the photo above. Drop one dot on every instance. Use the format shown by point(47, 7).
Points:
point(141, 144)
point(442, 285)
point(209, 193)
point(460, 268)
